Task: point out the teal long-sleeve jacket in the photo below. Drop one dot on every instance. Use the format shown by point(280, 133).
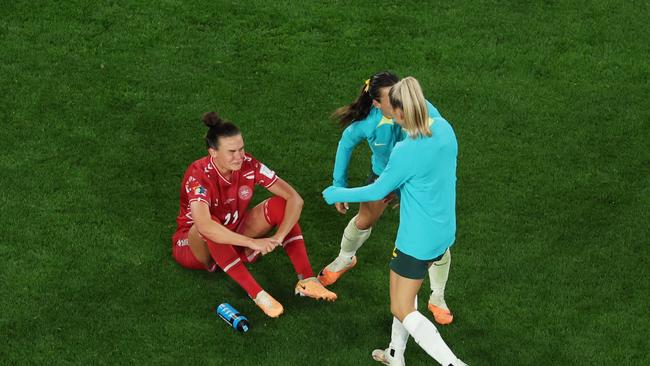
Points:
point(380, 132)
point(424, 171)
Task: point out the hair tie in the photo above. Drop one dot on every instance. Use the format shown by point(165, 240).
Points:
point(367, 83)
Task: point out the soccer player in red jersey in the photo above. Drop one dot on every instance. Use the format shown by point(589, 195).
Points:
point(216, 228)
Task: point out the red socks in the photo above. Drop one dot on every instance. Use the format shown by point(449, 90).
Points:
point(230, 262)
point(293, 244)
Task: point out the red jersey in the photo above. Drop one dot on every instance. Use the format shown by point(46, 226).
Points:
point(227, 199)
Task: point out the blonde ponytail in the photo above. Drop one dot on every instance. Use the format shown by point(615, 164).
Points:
point(407, 96)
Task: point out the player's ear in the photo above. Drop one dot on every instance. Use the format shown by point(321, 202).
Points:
point(376, 103)
point(212, 152)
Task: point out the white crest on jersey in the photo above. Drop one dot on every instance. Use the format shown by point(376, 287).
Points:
point(265, 171)
point(245, 192)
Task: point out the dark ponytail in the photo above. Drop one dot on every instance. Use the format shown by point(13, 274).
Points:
point(217, 127)
point(360, 108)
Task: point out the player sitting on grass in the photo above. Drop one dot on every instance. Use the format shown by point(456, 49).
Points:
point(215, 227)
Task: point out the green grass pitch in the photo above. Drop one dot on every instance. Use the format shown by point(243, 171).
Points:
point(100, 106)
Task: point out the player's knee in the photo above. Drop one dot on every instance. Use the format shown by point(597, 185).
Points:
point(363, 222)
point(401, 309)
point(274, 210)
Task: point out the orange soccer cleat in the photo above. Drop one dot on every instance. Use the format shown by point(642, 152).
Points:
point(310, 287)
point(268, 304)
point(328, 277)
point(441, 315)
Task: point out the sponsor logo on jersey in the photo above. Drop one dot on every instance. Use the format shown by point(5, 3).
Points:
point(245, 192)
point(378, 144)
point(227, 201)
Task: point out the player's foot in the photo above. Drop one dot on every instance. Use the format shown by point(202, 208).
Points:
point(268, 304)
point(336, 269)
point(389, 356)
point(310, 287)
point(441, 312)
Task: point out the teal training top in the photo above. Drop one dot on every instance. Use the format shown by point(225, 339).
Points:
point(381, 133)
point(424, 171)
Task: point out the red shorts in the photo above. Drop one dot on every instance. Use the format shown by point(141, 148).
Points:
point(182, 253)
point(225, 256)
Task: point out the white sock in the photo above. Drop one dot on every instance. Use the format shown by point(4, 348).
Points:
point(399, 336)
point(427, 336)
point(353, 238)
point(438, 275)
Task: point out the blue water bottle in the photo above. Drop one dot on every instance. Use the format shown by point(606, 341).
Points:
point(232, 317)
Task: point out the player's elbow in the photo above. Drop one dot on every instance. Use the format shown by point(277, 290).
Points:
point(203, 223)
point(297, 200)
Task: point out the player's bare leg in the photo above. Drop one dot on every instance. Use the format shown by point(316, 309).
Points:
point(355, 234)
point(255, 224)
point(199, 248)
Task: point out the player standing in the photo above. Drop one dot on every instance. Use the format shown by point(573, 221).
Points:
point(369, 118)
point(215, 227)
point(423, 168)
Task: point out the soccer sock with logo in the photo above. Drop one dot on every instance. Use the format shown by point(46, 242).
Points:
point(399, 336)
point(232, 265)
point(352, 239)
point(294, 244)
point(427, 336)
point(438, 275)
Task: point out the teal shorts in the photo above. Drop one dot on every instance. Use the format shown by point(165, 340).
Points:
point(410, 267)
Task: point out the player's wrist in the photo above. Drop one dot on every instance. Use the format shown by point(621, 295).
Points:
point(244, 241)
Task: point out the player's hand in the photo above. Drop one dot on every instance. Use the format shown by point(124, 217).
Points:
point(393, 199)
point(264, 245)
point(342, 207)
point(277, 238)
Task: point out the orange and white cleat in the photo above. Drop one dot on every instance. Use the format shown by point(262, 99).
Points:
point(441, 315)
point(268, 304)
point(311, 287)
point(329, 275)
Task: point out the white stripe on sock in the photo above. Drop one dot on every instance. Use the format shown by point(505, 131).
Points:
point(297, 237)
point(229, 266)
